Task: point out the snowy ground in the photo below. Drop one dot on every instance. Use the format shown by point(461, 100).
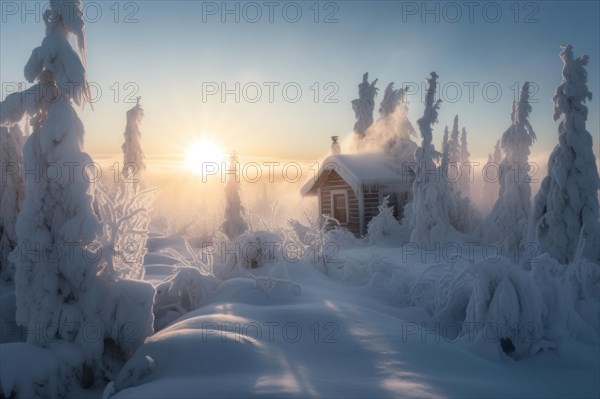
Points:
point(322, 336)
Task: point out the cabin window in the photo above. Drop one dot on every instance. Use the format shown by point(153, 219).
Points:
point(339, 203)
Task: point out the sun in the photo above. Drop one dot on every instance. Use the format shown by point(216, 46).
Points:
point(202, 152)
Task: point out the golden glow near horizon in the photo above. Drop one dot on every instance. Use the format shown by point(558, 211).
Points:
point(200, 152)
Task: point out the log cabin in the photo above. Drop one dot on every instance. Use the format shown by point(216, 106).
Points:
point(350, 188)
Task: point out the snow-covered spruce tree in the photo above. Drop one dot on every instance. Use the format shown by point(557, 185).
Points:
point(133, 155)
point(58, 291)
point(11, 194)
point(234, 223)
point(490, 173)
point(391, 99)
point(453, 173)
point(565, 213)
point(364, 106)
point(456, 174)
point(445, 155)
point(427, 214)
point(507, 223)
point(464, 183)
point(55, 212)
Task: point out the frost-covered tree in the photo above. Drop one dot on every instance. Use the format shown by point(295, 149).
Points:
point(461, 214)
point(565, 214)
point(464, 160)
point(491, 171)
point(124, 211)
point(384, 224)
point(57, 210)
point(391, 99)
point(445, 155)
point(364, 106)
point(507, 223)
point(133, 155)
point(454, 153)
point(427, 214)
point(234, 223)
point(11, 194)
point(58, 291)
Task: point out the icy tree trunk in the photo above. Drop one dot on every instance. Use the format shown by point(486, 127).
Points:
point(565, 215)
point(507, 223)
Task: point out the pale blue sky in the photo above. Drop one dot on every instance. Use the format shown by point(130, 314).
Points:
point(170, 53)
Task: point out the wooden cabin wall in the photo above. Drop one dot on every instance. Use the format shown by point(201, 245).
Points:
point(372, 203)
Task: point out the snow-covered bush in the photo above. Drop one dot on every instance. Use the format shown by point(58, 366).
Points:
point(320, 242)
point(251, 250)
point(124, 212)
point(442, 290)
point(383, 225)
point(185, 290)
point(525, 312)
point(505, 308)
point(566, 206)
point(571, 298)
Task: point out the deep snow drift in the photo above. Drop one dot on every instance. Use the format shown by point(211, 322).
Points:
point(363, 330)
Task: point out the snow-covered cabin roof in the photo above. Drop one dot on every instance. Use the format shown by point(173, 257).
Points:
point(371, 169)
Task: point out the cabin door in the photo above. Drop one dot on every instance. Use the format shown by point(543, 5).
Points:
point(340, 208)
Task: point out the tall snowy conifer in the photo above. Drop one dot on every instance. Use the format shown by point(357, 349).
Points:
point(234, 223)
point(565, 213)
point(57, 211)
point(464, 183)
point(490, 172)
point(11, 194)
point(427, 214)
point(445, 155)
point(57, 286)
point(364, 106)
point(456, 172)
point(133, 155)
point(507, 223)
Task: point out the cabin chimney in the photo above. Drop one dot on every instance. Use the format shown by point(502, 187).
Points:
point(335, 146)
